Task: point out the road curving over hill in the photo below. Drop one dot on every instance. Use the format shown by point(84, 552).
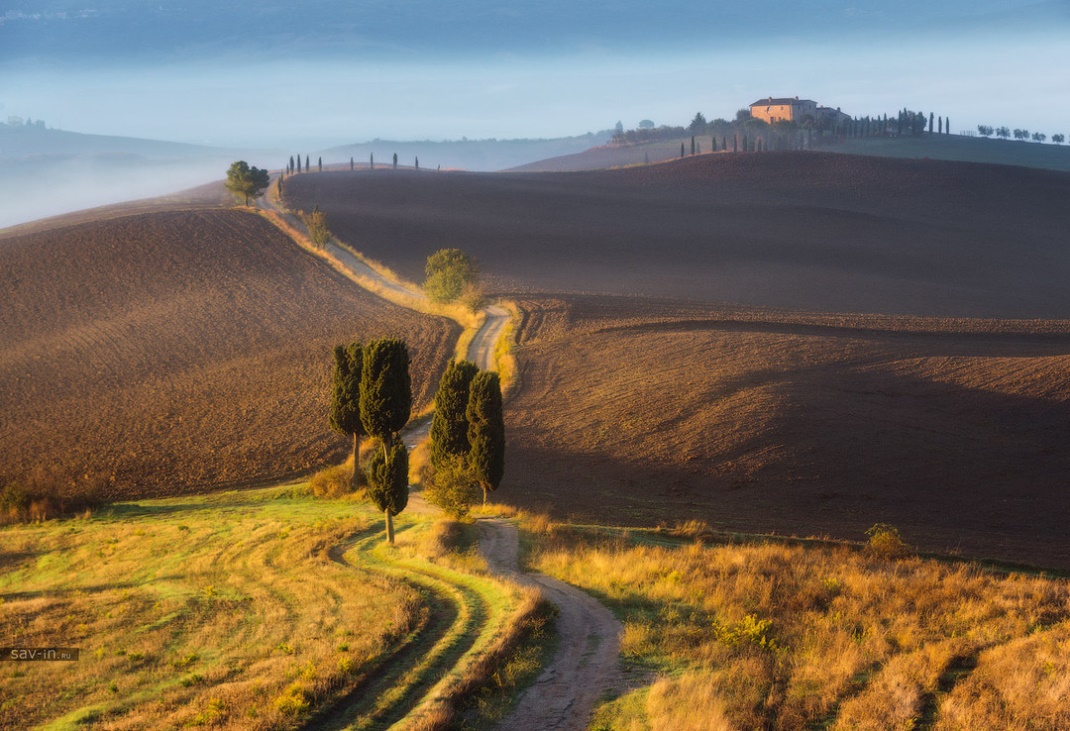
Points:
point(586, 665)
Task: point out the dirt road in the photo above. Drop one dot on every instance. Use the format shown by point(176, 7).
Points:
point(585, 666)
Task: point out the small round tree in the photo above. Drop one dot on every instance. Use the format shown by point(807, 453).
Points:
point(486, 431)
point(344, 416)
point(246, 181)
point(449, 273)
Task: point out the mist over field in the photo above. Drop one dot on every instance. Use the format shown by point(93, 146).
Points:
point(310, 78)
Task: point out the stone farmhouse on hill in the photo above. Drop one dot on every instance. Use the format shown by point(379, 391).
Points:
point(786, 109)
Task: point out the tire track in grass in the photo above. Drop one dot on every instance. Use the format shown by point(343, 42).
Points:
point(462, 622)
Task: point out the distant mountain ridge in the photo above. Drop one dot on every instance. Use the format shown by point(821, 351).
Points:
point(477, 155)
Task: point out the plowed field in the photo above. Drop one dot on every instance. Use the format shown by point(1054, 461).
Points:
point(164, 352)
point(760, 421)
point(812, 231)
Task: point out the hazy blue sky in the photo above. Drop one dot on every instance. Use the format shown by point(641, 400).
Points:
point(268, 73)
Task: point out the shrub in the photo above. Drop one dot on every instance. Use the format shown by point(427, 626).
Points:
point(451, 273)
point(885, 541)
point(451, 487)
point(316, 223)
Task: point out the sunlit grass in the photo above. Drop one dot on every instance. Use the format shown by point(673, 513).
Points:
point(224, 611)
point(776, 635)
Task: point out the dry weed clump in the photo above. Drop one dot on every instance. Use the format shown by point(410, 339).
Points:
point(226, 611)
point(783, 636)
point(334, 482)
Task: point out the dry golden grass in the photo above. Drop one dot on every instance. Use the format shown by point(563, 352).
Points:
point(780, 636)
point(158, 353)
point(806, 424)
point(222, 611)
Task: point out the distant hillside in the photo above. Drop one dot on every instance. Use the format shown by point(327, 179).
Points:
point(45, 172)
point(162, 352)
point(19, 142)
point(804, 230)
point(959, 148)
point(956, 148)
point(479, 155)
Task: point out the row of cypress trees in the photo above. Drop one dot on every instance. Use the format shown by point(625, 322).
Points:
point(468, 428)
point(372, 396)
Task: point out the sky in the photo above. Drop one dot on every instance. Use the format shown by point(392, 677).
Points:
point(328, 72)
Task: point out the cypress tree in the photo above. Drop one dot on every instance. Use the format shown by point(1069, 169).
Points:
point(307, 166)
point(395, 161)
point(298, 163)
point(291, 168)
point(449, 425)
point(388, 482)
point(692, 144)
point(724, 143)
point(940, 125)
point(352, 165)
point(371, 161)
point(385, 389)
point(745, 143)
point(321, 164)
point(681, 149)
point(486, 431)
point(344, 415)
point(930, 122)
point(735, 142)
point(947, 126)
point(417, 163)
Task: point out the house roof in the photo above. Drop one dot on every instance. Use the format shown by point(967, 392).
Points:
point(774, 101)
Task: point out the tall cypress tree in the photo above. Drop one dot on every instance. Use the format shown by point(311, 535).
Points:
point(344, 415)
point(308, 167)
point(321, 164)
point(298, 163)
point(371, 161)
point(352, 165)
point(291, 168)
point(385, 389)
point(395, 161)
point(385, 406)
point(486, 431)
point(681, 149)
point(388, 483)
point(449, 425)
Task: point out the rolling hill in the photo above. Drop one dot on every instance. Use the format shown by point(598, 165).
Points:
point(158, 353)
point(897, 349)
point(810, 231)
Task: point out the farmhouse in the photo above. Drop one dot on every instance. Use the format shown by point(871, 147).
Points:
point(772, 109)
point(783, 110)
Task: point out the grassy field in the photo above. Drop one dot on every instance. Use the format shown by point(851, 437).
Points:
point(164, 352)
point(778, 636)
point(637, 412)
point(812, 231)
point(259, 609)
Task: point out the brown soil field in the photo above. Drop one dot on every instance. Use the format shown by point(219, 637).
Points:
point(813, 231)
point(639, 412)
point(165, 352)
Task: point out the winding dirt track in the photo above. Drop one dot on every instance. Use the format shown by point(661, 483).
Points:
point(584, 668)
